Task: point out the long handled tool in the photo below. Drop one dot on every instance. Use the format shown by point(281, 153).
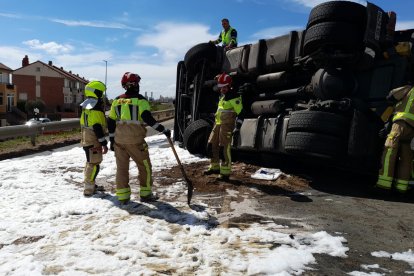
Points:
point(189, 183)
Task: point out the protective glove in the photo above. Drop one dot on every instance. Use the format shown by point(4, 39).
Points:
point(236, 131)
point(391, 100)
point(112, 143)
point(412, 144)
point(245, 89)
point(167, 132)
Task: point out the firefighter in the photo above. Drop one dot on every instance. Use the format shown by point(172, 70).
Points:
point(127, 131)
point(397, 156)
point(228, 36)
point(228, 120)
point(93, 128)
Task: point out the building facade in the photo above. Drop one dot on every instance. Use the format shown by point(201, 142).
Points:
point(60, 90)
point(8, 94)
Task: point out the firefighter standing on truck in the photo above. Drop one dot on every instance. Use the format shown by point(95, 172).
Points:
point(93, 128)
point(228, 120)
point(397, 156)
point(127, 131)
point(228, 36)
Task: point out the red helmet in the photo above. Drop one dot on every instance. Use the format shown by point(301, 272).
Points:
point(224, 80)
point(130, 80)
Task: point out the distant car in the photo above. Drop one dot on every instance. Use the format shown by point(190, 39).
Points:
point(37, 121)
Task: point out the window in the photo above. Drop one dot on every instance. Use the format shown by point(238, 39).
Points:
point(38, 69)
point(66, 83)
point(1, 77)
point(66, 100)
point(1, 98)
point(77, 85)
point(23, 96)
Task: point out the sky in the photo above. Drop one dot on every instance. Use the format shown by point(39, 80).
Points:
point(49, 227)
point(147, 37)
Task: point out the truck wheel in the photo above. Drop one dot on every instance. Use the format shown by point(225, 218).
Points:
point(338, 35)
point(196, 137)
point(197, 53)
point(319, 122)
point(315, 144)
point(338, 11)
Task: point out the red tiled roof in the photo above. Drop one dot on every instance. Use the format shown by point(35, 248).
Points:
point(61, 71)
point(4, 67)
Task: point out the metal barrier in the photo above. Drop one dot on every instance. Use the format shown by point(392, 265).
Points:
point(36, 129)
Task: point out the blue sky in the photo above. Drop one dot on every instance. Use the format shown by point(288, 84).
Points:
point(148, 37)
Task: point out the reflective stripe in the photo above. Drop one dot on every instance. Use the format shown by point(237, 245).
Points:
point(401, 115)
point(87, 127)
point(101, 139)
point(134, 113)
point(118, 111)
point(129, 122)
point(146, 190)
point(225, 110)
point(225, 170)
point(111, 134)
point(214, 167)
point(387, 163)
point(407, 109)
point(155, 125)
point(123, 194)
point(94, 173)
point(409, 102)
point(384, 184)
point(401, 185)
point(89, 88)
point(240, 121)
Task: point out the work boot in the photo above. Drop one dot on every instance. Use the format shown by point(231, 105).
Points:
point(149, 198)
point(211, 171)
point(123, 201)
point(223, 177)
point(89, 189)
point(99, 188)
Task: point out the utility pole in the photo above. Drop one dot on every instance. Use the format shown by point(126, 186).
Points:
point(106, 70)
point(106, 74)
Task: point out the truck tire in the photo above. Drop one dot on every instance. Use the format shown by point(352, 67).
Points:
point(196, 137)
point(319, 122)
point(197, 53)
point(338, 35)
point(338, 11)
point(315, 144)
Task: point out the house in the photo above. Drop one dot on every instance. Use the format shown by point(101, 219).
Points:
point(8, 95)
point(60, 90)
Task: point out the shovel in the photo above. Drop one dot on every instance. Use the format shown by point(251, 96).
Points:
point(189, 183)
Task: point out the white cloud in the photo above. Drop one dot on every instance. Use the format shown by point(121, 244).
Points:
point(95, 24)
point(50, 47)
point(173, 39)
point(12, 56)
point(404, 25)
point(313, 3)
point(10, 15)
point(275, 31)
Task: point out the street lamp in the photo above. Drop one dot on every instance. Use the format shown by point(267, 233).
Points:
point(106, 74)
point(106, 70)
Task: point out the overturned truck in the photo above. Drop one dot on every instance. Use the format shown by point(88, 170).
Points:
point(316, 94)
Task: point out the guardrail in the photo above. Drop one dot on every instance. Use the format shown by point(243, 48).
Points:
point(39, 128)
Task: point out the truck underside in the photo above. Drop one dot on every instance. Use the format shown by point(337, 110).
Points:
point(316, 94)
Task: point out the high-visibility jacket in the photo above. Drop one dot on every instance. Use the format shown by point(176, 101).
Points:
point(227, 37)
point(404, 108)
point(229, 107)
point(126, 112)
point(93, 126)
